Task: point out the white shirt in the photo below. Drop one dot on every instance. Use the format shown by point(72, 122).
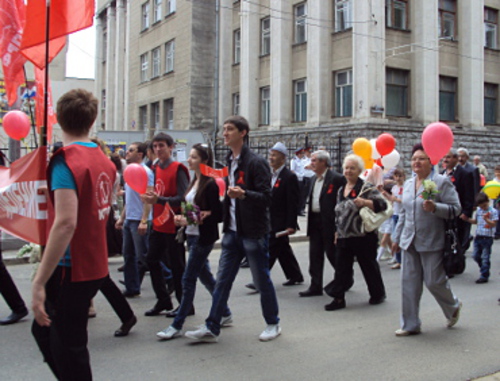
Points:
point(297, 166)
point(232, 205)
point(276, 175)
point(397, 191)
point(307, 172)
point(192, 229)
point(318, 185)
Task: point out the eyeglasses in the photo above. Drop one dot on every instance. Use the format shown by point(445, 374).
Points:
point(413, 159)
point(132, 150)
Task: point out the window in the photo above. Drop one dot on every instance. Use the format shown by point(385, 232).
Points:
point(144, 67)
point(396, 97)
point(145, 16)
point(169, 56)
point(168, 109)
point(300, 12)
point(265, 36)
point(395, 13)
point(447, 98)
point(143, 118)
point(236, 46)
point(157, 10)
point(155, 115)
point(490, 103)
point(490, 28)
point(155, 68)
point(171, 6)
point(447, 13)
point(343, 93)
point(343, 15)
point(265, 105)
point(236, 104)
point(300, 102)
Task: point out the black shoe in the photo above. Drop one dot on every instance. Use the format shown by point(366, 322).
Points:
point(173, 313)
point(310, 292)
point(244, 263)
point(156, 310)
point(293, 282)
point(14, 317)
point(374, 301)
point(126, 327)
point(130, 294)
point(251, 286)
point(482, 280)
point(336, 304)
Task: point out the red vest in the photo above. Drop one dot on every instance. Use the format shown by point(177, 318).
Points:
point(166, 186)
point(94, 176)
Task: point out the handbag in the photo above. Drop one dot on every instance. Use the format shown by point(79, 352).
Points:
point(453, 253)
point(370, 220)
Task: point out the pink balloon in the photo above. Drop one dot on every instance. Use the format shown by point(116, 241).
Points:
point(222, 186)
point(437, 140)
point(136, 177)
point(16, 124)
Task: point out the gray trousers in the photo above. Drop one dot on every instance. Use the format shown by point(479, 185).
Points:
point(419, 268)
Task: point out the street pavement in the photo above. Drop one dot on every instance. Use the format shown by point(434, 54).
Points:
point(356, 343)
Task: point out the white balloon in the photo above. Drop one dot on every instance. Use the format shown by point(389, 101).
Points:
point(375, 154)
point(391, 160)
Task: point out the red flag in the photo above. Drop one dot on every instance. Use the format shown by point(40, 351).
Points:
point(40, 103)
point(12, 18)
point(164, 216)
point(211, 172)
point(23, 201)
point(65, 17)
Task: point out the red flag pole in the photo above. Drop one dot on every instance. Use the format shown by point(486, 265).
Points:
point(43, 129)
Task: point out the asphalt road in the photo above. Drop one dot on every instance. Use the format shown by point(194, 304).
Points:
point(356, 343)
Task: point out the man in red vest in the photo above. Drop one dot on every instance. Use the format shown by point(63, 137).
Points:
point(75, 261)
point(171, 183)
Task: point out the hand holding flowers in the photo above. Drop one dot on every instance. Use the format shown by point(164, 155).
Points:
point(429, 193)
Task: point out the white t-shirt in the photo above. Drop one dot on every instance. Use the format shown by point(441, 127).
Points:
point(397, 191)
point(192, 229)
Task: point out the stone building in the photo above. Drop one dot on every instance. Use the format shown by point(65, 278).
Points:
point(317, 71)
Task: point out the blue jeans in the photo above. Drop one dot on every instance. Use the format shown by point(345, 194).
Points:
point(197, 267)
point(482, 253)
point(135, 248)
point(395, 219)
point(234, 248)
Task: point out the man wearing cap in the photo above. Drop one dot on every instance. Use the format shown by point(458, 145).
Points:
point(283, 211)
point(297, 167)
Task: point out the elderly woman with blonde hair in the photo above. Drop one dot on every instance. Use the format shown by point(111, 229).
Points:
point(350, 238)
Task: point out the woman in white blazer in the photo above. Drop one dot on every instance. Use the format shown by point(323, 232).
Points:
point(420, 232)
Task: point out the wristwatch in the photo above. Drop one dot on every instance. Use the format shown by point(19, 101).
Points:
point(144, 222)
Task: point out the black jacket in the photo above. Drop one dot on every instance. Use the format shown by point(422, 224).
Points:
point(285, 201)
point(254, 176)
point(209, 230)
point(463, 181)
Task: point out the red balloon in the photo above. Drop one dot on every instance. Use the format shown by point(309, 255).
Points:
point(222, 186)
point(136, 177)
point(385, 144)
point(16, 124)
point(437, 140)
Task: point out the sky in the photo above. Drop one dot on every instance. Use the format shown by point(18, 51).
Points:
point(80, 60)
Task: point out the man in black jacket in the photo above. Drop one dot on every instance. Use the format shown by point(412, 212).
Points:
point(321, 219)
point(246, 230)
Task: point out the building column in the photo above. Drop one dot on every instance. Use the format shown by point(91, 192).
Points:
point(281, 68)
point(119, 88)
point(225, 59)
point(319, 77)
point(249, 66)
point(126, 69)
point(368, 57)
point(425, 61)
point(110, 68)
point(471, 77)
point(98, 71)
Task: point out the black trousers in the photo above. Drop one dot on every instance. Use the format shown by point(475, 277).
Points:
point(365, 250)
point(9, 290)
point(64, 343)
point(463, 232)
point(116, 299)
point(280, 249)
point(320, 242)
point(304, 193)
point(164, 247)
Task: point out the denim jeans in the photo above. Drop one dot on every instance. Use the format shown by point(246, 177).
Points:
point(135, 248)
point(234, 248)
point(482, 253)
point(197, 267)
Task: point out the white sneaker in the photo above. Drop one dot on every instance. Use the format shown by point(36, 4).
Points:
point(202, 334)
point(271, 332)
point(226, 321)
point(169, 333)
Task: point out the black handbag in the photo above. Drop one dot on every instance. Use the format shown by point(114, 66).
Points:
point(453, 255)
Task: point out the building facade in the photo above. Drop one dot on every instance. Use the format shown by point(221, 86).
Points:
point(298, 70)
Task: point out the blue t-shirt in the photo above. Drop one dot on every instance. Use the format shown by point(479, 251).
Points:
point(62, 178)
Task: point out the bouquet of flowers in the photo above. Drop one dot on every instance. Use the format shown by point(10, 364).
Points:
point(430, 190)
point(191, 212)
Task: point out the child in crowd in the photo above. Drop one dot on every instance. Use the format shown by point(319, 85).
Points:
point(486, 220)
point(395, 197)
point(497, 201)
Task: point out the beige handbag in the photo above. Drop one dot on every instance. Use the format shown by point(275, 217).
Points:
point(372, 220)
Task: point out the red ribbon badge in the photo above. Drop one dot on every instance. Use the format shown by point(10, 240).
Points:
point(353, 193)
point(277, 183)
point(452, 179)
point(400, 190)
point(241, 179)
point(330, 189)
point(212, 172)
